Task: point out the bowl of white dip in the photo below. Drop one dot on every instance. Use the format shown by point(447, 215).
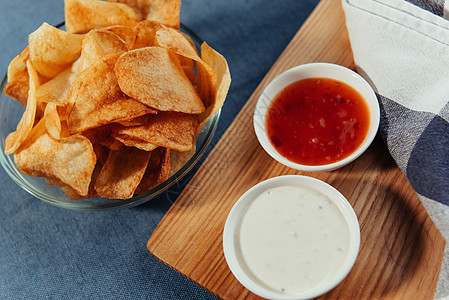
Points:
point(291, 237)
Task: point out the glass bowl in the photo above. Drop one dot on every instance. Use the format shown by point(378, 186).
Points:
point(11, 112)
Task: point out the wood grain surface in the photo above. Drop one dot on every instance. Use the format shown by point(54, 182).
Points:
point(401, 249)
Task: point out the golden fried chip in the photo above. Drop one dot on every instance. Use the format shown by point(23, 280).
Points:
point(72, 193)
point(126, 33)
point(54, 181)
point(96, 99)
point(220, 66)
point(53, 125)
point(133, 142)
point(111, 143)
point(139, 120)
point(207, 83)
point(191, 74)
point(70, 160)
point(188, 38)
point(101, 152)
point(167, 129)
point(137, 5)
point(100, 45)
point(179, 159)
point(102, 135)
point(145, 34)
point(162, 11)
point(157, 170)
point(122, 173)
point(57, 89)
point(97, 45)
point(98, 134)
point(154, 76)
point(84, 15)
point(53, 50)
point(16, 138)
point(176, 42)
point(18, 78)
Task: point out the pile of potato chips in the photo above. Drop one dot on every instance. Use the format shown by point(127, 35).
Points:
point(108, 99)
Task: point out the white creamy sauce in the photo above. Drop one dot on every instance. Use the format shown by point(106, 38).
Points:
point(291, 238)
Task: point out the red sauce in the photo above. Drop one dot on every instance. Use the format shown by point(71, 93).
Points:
point(317, 121)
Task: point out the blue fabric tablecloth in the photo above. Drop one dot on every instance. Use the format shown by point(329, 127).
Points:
point(48, 252)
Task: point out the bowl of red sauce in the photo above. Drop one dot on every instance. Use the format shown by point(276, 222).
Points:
point(317, 117)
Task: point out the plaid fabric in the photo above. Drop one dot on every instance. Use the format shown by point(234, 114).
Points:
point(434, 6)
point(402, 48)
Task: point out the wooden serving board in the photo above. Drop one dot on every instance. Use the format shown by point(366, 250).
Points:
point(401, 249)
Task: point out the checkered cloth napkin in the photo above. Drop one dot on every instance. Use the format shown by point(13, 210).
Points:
point(402, 48)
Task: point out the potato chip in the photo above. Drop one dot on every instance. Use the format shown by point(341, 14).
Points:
point(220, 66)
point(100, 45)
point(133, 142)
point(16, 138)
point(18, 78)
point(122, 173)
point(70, 160)
point(102, 135)
point(207, 83)
point(167, 129)
point(139, 120)
point(176, 42)
point(57, 89)
point(137, 5)
point(53, 125)
point(83, 117)
point(98, 134)
point(165, 12)
point(54, 181)
point(154, 76)
point(97, 45)
point(53, 50)
point(84, 15)
point(72, 193)
point(101, 152)
point(96, 99)
point(162, 11)
point(191, 74)
point(145, 34)
point(189, 39)
point(157, 170)
point(179, 159)
point(126, 33)
point(111, 143)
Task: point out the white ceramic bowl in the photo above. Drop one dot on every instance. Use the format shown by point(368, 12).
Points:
point(315, 70)
point(231, 240)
